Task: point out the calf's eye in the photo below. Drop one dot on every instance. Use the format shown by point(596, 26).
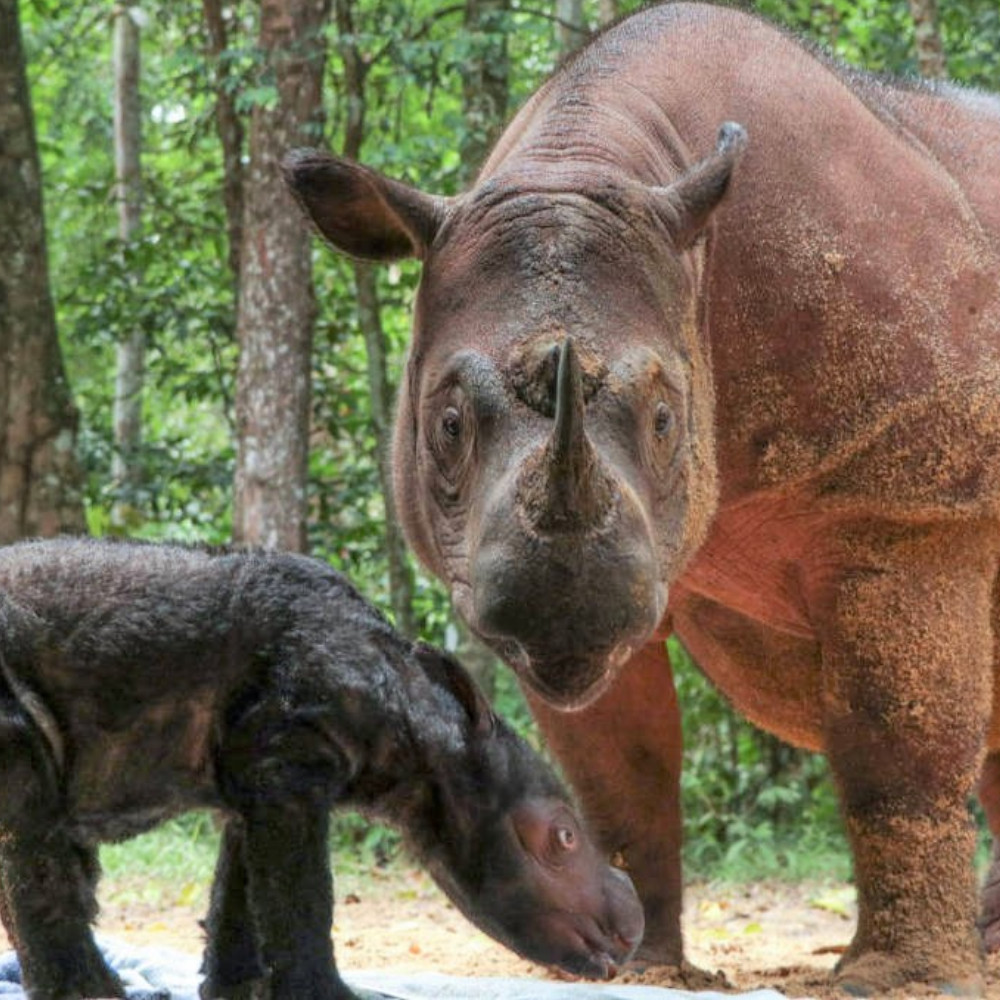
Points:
point(565, 838)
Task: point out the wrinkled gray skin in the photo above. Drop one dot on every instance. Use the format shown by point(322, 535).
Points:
point(141, 681)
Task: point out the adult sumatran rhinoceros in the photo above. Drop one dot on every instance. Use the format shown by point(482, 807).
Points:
point(744, 382)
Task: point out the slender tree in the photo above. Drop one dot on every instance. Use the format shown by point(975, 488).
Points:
point(927, 39)
point(229, 126)
point(39, 477)
point(571, 30)
point(277, 310)
point(485, 81)
point(370, 322)
point(607, 11)
point(131, 350)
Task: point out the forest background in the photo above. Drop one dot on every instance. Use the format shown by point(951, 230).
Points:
point(180, 359)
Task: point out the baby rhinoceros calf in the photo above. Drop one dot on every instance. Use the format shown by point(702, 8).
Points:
point(139, 681)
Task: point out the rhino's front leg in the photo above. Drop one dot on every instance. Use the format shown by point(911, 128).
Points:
point(622, 755)
point(907, 655)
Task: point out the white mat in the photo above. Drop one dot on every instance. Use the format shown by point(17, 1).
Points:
point(151, 973)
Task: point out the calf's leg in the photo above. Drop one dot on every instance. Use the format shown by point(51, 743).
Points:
point(291, 895)
point(907, 654)
point(232, 965)
point(47, 879)
point(49, 896)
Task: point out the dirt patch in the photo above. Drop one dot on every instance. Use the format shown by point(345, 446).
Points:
point(776, 935)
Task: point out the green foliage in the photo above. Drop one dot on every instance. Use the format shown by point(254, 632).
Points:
point(175, 855)
point(752, 805)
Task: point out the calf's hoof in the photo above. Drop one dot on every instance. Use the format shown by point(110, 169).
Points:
point(249, 989)
point(874, 973)
point(296, 985)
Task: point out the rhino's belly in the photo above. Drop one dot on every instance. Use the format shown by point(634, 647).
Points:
point(770, 676)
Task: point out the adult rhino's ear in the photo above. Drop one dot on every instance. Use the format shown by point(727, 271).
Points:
point(447, 672)
point(686, 205)
point(361, 212)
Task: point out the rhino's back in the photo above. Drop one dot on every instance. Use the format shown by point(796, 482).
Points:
point(853, 277)
point(960, 130)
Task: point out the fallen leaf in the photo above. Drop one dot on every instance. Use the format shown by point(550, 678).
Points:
point(838, 901)
point(830, 949)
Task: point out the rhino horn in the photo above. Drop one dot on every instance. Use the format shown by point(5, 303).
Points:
point(567, 490)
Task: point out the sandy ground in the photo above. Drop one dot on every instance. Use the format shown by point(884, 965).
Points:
point(776, 935)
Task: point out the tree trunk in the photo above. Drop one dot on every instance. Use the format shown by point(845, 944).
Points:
point(927, 39)
point(607, 12)
point(131, 353)
point(39, 476)
point(276, 304)
point(230, 129)
point(571, 32)
point(370, 320)
point(485, 82)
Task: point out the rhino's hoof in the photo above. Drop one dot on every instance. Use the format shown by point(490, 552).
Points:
point(873, 975)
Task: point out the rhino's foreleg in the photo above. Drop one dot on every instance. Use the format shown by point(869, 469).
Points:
point(232, 965)
point(907, 656)
point(622, 755)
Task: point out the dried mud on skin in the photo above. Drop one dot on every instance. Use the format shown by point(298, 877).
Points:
point(783, 936)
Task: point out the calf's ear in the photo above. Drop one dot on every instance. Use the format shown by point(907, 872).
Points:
point(361, 212)
point(686, 205)
point(448, 673)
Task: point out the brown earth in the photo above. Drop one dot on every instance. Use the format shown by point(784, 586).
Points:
point(778, 935)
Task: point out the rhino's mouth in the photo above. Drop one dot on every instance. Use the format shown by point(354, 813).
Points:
point(572, 697)
point(567, 683)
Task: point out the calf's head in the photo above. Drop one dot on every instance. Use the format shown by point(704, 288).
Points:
point(496, 829)
point(554, 452)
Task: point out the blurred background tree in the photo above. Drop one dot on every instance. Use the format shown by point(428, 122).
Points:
point(39, 478)
point(419, 89)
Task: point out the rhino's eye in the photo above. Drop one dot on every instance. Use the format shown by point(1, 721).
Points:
point(451, 423)
point(663, 420)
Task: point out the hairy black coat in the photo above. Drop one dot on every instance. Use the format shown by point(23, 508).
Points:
point(140, 681)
